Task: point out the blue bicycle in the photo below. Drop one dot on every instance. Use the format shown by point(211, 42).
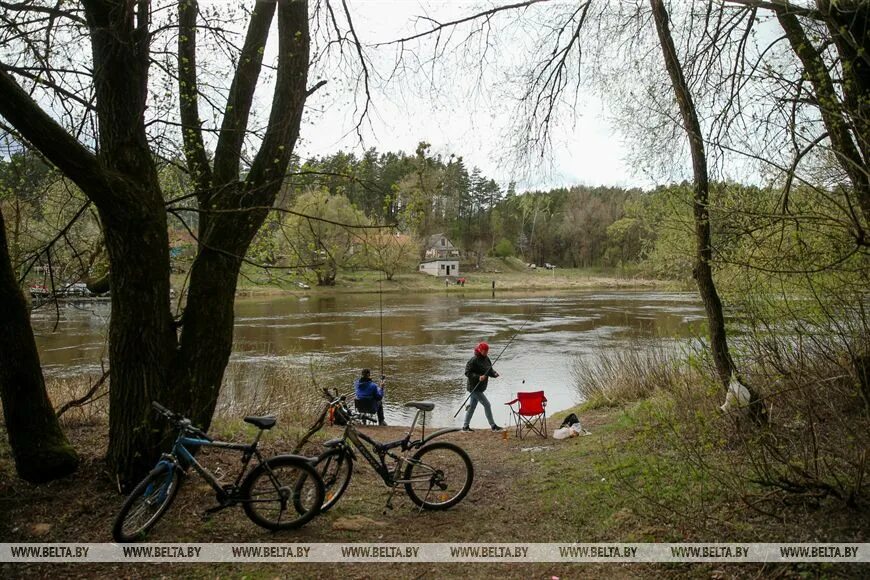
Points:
point(280, 493)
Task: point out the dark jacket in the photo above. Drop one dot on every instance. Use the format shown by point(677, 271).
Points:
point(476, 368)
point(368, 389)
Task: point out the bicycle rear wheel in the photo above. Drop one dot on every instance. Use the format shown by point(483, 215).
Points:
point(147, 503)
point(282, 493)
point(438, 476)
point(335, 468)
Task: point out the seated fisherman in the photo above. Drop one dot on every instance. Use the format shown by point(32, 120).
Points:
point(366, 388)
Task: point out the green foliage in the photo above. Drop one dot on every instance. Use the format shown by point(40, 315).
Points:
point(37, 203)
point(389, 253)
point(323, 236)
point(504, 248)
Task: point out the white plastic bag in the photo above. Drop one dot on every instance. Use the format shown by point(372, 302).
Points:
point(562, 433)
point(736, 398)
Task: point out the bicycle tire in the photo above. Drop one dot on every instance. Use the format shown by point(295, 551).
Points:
point(158, 489)
point(334, 483)
point(301, 481)
point(437, 477)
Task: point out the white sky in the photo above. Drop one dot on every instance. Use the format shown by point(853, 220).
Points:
point(586, 149)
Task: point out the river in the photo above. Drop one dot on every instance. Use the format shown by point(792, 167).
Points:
point(427, 338)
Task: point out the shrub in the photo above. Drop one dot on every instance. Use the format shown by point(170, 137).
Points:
point(504, 248)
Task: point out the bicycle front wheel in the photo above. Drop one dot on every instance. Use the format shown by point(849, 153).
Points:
point(282, 493)
point(147, 503)
point(438, 476)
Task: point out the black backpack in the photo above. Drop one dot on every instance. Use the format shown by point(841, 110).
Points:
point(569, 420)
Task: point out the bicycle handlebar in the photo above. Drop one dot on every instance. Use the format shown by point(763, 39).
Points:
point(178, 420)
point(164, 411)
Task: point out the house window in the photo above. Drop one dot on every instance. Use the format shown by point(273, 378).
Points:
point(443, 241)
point(442, 266)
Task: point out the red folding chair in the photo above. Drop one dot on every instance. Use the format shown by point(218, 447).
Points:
point(530, 414)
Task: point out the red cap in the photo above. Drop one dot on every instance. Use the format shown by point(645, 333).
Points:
point(481, 349)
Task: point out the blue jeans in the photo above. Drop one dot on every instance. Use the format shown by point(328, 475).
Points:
point(478, 397)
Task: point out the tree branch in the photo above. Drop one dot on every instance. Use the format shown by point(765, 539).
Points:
point(238, 108)
point(58, 146)
point(188, 92)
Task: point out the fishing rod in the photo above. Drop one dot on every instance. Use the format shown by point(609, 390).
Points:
point(381, 308)
point(492, 364)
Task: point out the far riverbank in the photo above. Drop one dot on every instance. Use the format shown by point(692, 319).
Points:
point(493, 275)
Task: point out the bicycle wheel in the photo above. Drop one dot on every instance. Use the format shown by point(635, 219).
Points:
point(438, 476)
point(282, 493)
point(147, 503)
point(335, 468)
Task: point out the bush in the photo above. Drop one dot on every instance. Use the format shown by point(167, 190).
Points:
point(814, 447)
point(504, 248)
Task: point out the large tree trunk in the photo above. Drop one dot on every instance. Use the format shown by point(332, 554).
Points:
point(231, 216)
point(39, 447)
point(702, 271)
point(142, 342)
point(846, 120)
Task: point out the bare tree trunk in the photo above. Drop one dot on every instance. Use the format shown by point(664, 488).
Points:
point(702, 270)
point(142, 340)
point(39, 447)
point(230, 218)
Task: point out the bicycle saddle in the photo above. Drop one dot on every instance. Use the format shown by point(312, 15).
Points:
point(421, 406)
point(262, 422)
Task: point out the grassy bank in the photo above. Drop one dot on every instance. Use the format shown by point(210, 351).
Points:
point(624, 482)
point(508, 274)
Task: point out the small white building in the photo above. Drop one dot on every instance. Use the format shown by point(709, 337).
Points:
point(441, 257)
point(446, 267)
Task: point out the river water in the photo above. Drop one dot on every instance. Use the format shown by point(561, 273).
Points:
point(427, 339)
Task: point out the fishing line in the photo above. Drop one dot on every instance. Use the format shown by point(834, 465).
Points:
point(492, 364)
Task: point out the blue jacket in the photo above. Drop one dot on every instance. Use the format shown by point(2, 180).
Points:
point(368, 389)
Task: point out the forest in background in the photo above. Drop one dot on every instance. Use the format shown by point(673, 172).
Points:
point(418, 194)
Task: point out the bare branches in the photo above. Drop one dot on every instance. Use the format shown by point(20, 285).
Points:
point(439, 27)
point(548, 80)
point(285, 211)
point(52, 11)
point(88, 397)
point(365, 70)
point(238, 107)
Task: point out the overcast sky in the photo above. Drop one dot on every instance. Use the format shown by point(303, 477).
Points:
point(586, 149)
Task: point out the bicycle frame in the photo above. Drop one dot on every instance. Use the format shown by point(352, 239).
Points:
point(389, 476)
point(182, 456)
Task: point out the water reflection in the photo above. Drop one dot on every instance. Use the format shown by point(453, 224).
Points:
point(427, 339)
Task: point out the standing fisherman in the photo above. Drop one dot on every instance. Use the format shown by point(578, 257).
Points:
point(478, 369)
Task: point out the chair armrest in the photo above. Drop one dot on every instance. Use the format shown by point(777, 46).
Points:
point(512, 402)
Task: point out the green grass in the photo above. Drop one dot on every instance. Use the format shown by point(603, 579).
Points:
point(633, 480)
